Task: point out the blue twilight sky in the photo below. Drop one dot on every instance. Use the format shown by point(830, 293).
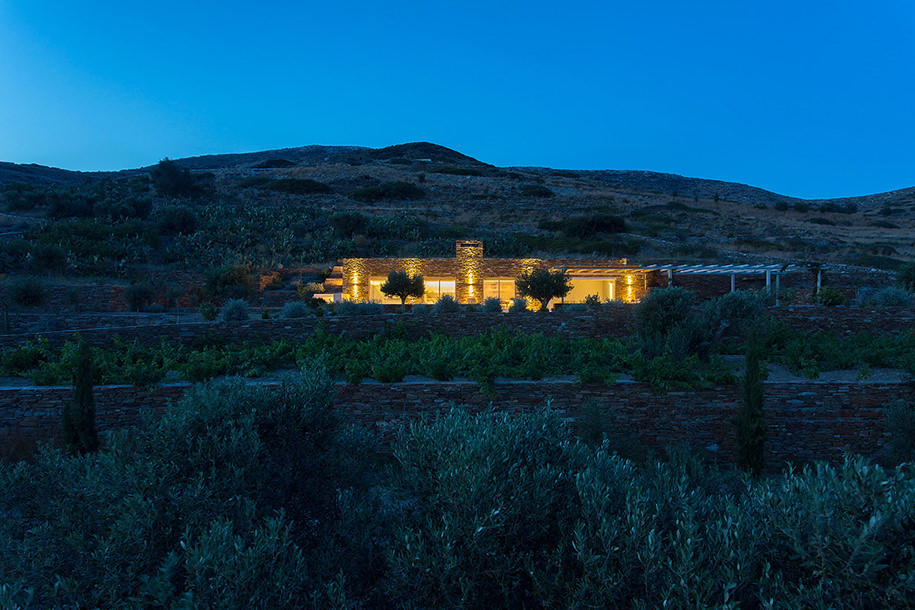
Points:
point(808, 99)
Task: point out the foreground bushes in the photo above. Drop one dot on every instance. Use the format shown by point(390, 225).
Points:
point(238, 500)
point(234, 499)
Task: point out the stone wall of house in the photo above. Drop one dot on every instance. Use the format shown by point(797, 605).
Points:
point(807, 421)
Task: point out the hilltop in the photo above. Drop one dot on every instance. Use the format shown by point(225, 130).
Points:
point(317, 203)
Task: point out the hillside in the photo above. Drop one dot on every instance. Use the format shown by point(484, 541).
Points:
point(318, 203)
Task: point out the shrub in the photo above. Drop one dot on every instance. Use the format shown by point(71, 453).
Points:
point(176, 219)
point(209, 311)
point(891, 296)
point(518, 305)
point(295, 310)
point(45, 257)
point(26, 291)
point(830, 297)
point(232, 281)
point(535, 190)
point(592, 301)
point(296, 186)
point(139, 295)
point(492, 305)
point(666, 325)
point(172, 181)
point(900, 421)
point(446, 304)
point(735, 314)
point(388, 190)
point(906, 277)
point(235, 310)
point(307, 290)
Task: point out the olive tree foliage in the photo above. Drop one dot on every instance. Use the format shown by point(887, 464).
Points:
point(401, 285)
point(543, 285)
point(505, 511)
point(237, 497)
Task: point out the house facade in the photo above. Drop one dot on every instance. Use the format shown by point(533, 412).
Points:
point(471, 278)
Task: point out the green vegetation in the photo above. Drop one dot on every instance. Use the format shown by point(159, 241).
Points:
point(235, 310)
point(751, 434)
point(535, 190)
point(586, 226)
point(298, 186)
point(401, 285)
point(543, 285)
point(388, 191)
point(241, 497)
point(78, 417)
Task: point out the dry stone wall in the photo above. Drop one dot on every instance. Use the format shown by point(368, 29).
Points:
point(807, 421)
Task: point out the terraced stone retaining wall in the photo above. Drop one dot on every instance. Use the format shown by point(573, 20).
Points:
point(807, 421)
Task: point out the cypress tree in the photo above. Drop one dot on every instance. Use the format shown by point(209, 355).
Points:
point(79, 414)
point(750, 421)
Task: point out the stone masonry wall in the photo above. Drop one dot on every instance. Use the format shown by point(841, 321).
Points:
point(807, 421)
point(613, 321)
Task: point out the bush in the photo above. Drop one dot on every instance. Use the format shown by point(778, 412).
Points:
point(209, 311)
point(238, 497)
point(518, 305)
point(900, 421)
point(665, 324)
point(295, 310)
point(235, 310)
point(296, 186)
point(26, 291)
point(830, 297)
point(175, 220)
point(492, 305)
point(535, 190)
point(592, 301)
point(388, 190)
point(48, 258)
point(232, 281)
point(890, 296)
point(172, 181)
point(906, 277)
point(139, 295)
point(735, 314)
point(446, 304)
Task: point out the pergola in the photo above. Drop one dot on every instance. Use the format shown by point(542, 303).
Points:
point(727, 269)
point(690, 269)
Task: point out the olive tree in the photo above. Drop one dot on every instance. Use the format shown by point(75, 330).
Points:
point(401, 285)
point(543, 284)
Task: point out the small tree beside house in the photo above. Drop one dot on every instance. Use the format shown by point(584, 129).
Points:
point(543, 285)
point(402, 286)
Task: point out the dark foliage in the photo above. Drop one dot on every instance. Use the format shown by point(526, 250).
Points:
point(586, 226)
point(750, 440)
point(388, 191)
point(172, 181)
point(298, 186)
point(543, 285)
point(78, 418)
point(176, 220)
point(535, 190)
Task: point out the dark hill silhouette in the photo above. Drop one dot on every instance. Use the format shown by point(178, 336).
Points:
point(627, 180)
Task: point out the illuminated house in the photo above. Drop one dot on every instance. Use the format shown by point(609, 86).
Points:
point(471, 278)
